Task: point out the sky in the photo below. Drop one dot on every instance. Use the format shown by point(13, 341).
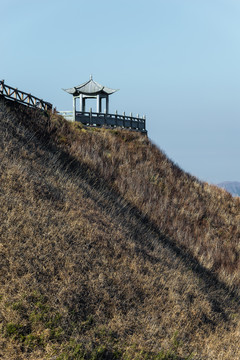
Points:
point(175, 61)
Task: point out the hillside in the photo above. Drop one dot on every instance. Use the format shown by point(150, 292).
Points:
point(108, 249)
point(233, 187)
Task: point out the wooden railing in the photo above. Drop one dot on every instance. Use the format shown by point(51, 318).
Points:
point(22, 97)
point(102, 119)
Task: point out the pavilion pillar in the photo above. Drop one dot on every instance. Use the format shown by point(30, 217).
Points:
point(81, 102)
point(74, 108)
point(98, 104)
point(107, 105)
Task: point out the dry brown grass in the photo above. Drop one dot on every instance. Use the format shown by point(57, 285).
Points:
point(106, 243)
point(203, 219)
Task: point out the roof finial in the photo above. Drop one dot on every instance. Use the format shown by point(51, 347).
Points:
point(91, 77)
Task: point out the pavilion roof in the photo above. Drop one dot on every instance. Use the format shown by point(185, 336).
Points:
point(90, 87)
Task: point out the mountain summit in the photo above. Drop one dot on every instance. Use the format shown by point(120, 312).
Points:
point(233, 187)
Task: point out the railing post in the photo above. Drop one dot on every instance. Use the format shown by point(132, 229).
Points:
point(116, 116)
point(131, 120)
point(124, 119)
point(1, 89)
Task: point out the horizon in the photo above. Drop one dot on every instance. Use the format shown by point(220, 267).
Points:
point(176, 62)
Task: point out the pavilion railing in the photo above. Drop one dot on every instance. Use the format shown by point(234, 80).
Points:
point(102, 119)
point(22, 97)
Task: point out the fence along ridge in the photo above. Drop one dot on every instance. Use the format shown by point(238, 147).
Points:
point(23, 97)
point(87, 118)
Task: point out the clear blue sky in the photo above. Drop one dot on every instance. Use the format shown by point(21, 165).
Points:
point(177, 61)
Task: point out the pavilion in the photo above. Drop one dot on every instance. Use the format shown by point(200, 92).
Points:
point(90, 90)
point(93, 90)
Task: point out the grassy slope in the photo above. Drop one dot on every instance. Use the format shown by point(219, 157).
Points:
point(107, 244)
